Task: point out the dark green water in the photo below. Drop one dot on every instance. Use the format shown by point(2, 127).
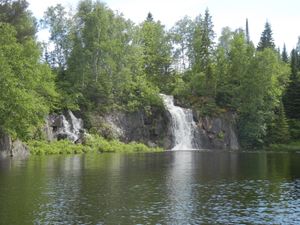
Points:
point(184, 187)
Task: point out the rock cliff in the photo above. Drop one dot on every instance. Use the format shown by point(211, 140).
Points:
point(151, 128)
point(216, 132)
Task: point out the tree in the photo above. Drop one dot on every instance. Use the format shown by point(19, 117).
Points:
point(202, 57)
point(156, 52)
point(182, 34)
point(234, 56)
point(261, 91)
point(60, 25)
point(203, 43)
point(27, 86)
point(284, 55)
point(292, 95)
point(266, 39)
point(149, 17)
point(15, 13)
point(91, 64)
point(278, 130)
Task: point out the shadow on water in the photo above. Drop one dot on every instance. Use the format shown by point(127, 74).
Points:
point(174, 187)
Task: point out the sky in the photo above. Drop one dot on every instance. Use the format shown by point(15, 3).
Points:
point(282, 15)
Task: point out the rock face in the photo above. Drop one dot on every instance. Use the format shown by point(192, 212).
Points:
point(216, 132)
point(64, 126)
point(12, 148)
point(154, 129)
point(151, 128)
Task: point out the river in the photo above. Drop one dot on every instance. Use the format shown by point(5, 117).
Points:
point(175, 187)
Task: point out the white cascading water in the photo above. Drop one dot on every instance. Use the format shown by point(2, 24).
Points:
point(183, 124)
point(72, 128)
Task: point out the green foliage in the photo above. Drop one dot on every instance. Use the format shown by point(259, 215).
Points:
point(56, 147)
point(261, 93)
point(291, 98)
point(294, 126)
point(221, 135)
point(27, 86)
point(156, 52)
point(293, 146)
point(284, 55)
point(60, 26)
point(15, 13)
point(93, 143)
point(98, 143)
point(278, 132)
point(181, 36)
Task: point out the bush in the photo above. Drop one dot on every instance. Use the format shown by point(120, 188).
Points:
point(93, 143)
point(98, 143)
point(56, 147)
point(293, 146)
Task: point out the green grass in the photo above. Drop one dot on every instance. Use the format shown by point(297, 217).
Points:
point(93, 143)
point(293, 146)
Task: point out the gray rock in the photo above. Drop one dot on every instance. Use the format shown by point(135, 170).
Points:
point(217, 132)
point(19, 149)
point(152, 129)
point(64, 126)
point(5, 145)
point(12, 148)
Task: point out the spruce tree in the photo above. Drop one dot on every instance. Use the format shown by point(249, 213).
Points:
point(284, 55)
point(292, 95)
point(149, 17)
point(266, 39)
point(279, 130)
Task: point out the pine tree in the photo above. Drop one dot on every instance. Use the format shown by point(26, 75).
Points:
point(292, 95)
point(284, 55)
point(207, 41)
point(149, 17)
point(278, 132)
point(266, 39)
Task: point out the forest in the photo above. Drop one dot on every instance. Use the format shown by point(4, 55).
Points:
point(97, 60)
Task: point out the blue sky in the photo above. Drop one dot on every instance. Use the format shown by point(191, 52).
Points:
point(283, 15)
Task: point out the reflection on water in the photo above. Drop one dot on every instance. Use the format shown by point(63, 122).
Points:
point(183, 187)
point(180, 188)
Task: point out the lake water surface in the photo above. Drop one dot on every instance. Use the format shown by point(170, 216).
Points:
point(179, 187)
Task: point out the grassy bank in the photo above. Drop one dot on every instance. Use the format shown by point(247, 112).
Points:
point(93, 143)
point(293, 146)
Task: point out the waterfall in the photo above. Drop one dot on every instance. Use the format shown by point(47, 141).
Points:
point(70, 127)
point(183, 124)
